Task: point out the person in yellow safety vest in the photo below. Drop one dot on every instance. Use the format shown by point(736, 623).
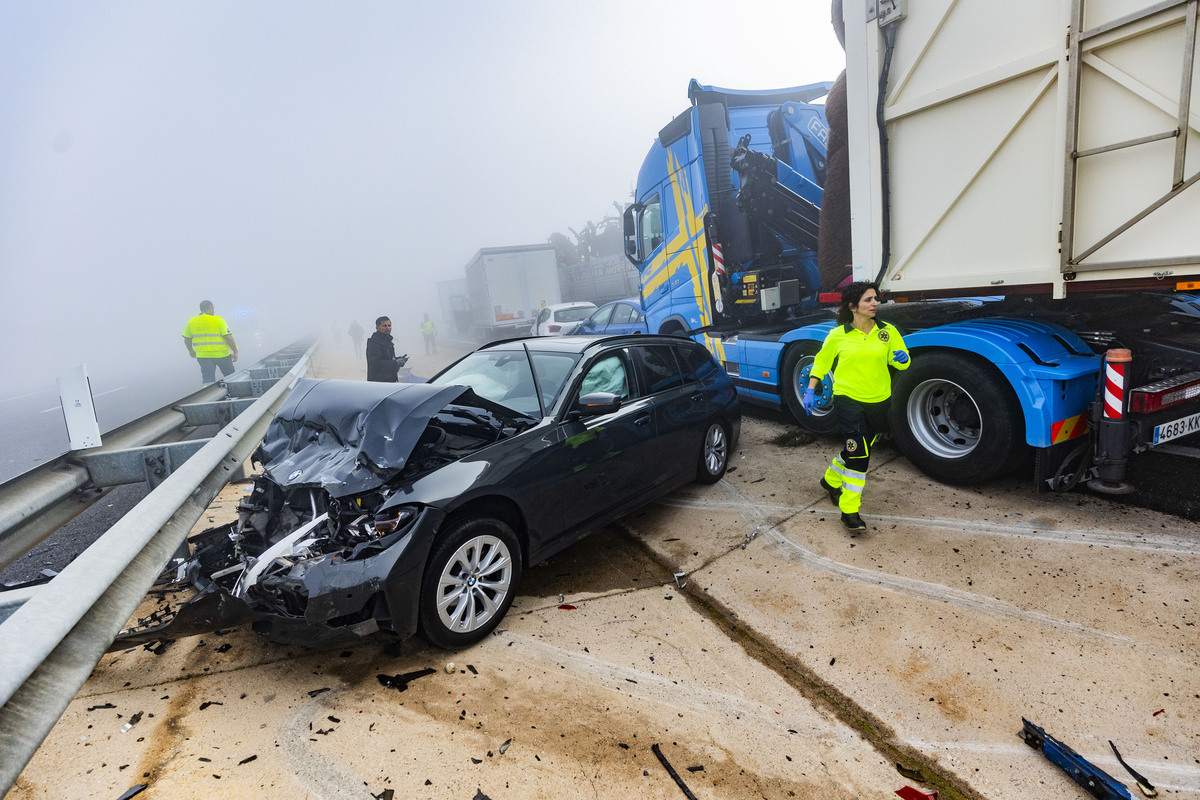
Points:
point(209, 341)
point(865, 348)
point(428, 333)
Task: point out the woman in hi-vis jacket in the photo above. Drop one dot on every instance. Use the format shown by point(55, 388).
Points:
point(862, 391)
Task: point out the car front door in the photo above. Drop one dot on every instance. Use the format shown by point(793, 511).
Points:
point(605, 461)
point(598, 321)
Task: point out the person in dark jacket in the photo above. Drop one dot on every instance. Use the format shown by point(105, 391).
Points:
point(382, 364)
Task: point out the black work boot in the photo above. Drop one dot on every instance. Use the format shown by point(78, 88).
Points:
point(834, 492)
point(853, 522)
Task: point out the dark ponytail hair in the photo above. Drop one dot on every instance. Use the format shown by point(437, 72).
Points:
point(851, 295)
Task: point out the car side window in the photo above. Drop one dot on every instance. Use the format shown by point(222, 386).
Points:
point(609, 374)
point(623, 314)
point(601, 316)
point(660, 369)
point(697, 364)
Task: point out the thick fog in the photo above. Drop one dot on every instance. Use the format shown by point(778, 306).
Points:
point(305, 163)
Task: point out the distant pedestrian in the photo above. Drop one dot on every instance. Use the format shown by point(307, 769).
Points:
point(429, 334)
point(356, 334)
point(382, 364)
point(208, 340)
point(862, 391)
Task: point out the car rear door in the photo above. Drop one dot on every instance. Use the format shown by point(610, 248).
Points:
point(679, 411)
point(624, 319)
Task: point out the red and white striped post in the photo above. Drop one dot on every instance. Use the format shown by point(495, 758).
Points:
point(1112, 429)
point(1116, 362)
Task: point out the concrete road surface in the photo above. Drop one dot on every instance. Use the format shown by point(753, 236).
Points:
point(787, 659)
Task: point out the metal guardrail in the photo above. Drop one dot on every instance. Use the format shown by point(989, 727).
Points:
point(51, 643)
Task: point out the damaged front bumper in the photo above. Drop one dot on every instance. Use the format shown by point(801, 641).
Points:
point(315, 600)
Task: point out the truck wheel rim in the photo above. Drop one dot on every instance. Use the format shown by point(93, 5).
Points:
point(824, 399)
point(474, 584)
point(944, 419)
point(716, 449)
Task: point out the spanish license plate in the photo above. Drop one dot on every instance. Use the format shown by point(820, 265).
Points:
point(1180, 427)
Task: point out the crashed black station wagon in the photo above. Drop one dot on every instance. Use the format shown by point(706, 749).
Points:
point(416, 507)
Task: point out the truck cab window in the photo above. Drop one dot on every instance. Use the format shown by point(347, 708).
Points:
point(650, 227)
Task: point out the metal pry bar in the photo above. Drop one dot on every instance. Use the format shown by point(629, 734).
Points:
point(1095, 781)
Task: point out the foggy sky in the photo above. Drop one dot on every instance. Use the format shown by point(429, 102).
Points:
point(301, 162)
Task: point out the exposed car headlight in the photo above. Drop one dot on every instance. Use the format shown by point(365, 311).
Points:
point(394, 519)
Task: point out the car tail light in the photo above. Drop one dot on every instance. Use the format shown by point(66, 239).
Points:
point(554, 328)
point(1165, 393)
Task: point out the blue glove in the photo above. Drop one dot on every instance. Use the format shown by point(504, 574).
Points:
point(900, 357)
point(809, 401)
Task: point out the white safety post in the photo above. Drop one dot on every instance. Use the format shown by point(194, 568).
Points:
point(79, 411)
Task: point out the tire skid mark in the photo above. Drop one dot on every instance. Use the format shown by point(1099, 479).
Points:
point(320, 774)
point(1115, 539)
point(680, 695)
point(895, 583)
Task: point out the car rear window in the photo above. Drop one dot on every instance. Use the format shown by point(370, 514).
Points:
point(659, 367)
point(573, 314)
point(697, 364)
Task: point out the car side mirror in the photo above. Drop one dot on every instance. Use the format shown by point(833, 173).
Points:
point(593, 404)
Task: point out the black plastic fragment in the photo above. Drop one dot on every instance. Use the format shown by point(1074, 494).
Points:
point(472, 669)
point(476, 760)
point(106, 705)
point(224, 648)
point(695, 769)
point(247, 760)
point(400, 682)
point(1144, 785)
point(386, 794)
point(504, 746)
point(333, 719)
point(133, 790)
point(316, 692)
point(479, 795)
point(671, 771)
point(911, 774)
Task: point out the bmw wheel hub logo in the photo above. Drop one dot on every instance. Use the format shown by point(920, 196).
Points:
point(293, 476)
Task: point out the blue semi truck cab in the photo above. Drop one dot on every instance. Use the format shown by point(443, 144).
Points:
point(724, 234)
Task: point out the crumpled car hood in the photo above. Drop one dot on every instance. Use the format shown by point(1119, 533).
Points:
point(349, 437)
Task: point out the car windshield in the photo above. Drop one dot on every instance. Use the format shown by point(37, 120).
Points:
point(505, 377)
point(573, 314)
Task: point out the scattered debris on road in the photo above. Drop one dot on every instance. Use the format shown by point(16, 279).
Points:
point(400, 682)
point(1144, 785)
point(671, 771)
point(1097, 782)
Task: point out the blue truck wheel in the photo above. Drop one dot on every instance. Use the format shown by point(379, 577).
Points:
point(797, 363)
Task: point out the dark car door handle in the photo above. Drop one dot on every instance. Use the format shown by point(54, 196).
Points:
point(697, 397)
point(644, 419)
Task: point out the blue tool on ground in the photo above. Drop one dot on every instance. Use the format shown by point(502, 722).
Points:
point(1097, 782)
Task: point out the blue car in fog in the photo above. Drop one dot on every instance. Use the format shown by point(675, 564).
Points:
point(617, 317)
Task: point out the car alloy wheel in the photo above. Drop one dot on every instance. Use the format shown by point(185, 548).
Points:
point(470, 581)
point(714, 455)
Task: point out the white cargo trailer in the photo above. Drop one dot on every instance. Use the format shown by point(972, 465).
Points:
point(1029, 146)
point(507, 286)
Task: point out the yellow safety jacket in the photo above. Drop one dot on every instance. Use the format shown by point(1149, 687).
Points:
point(862, 361)
point(207, 332)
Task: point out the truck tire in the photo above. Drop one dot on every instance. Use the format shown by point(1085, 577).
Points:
point(957, 419)
point(793, 379)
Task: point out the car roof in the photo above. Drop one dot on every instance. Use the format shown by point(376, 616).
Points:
point(576, 304)
point(581, 344)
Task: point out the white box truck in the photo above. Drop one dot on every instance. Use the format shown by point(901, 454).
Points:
point(507, 286)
